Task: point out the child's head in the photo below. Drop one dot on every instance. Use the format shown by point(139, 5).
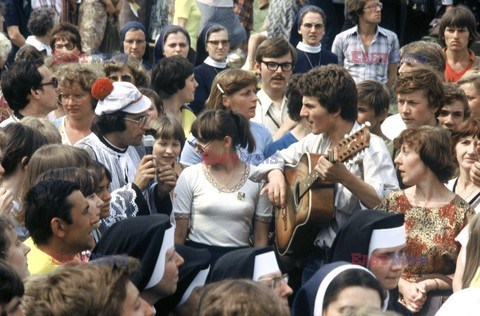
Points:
point(104, 177)
point(456, 109)
point(156, 110)
point(373, 103)
point(169, 139)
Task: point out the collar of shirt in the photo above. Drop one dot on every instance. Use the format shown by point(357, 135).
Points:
point(217, 64)
point(266, 102)
point(309, 49)
point(354, 30)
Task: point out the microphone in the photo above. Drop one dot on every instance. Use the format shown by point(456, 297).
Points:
point(148, 142)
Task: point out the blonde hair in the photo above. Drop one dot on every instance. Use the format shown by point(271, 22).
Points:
point(44, 127)
point(240, 297)
point(472, 262)
point(49, 157)
point(99, 288)
point(227, 83)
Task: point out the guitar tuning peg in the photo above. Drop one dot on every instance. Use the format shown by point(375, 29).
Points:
point(368, 124)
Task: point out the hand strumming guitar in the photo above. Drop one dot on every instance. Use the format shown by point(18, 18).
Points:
point(276, 188)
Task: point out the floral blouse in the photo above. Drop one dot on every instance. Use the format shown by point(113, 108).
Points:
point(431, 232)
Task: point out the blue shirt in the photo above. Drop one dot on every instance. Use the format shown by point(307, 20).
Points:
point(284, 142)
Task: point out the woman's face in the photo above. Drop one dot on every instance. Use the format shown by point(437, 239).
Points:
point(466, 152)
point(166, 151)
point(16, 254)
point(94, 205)
point(218, 45)
point(135, 44)
point(187, 94)
point(76, 102)
point(353, 296)
point(123, 74)
point(104, 195)
point(168, 284)
point(243, 101)
point(411, 167)
point(312, 29)
point(64, 46)
point(176, 44)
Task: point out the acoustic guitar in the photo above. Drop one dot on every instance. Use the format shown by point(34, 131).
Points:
point(310, 201)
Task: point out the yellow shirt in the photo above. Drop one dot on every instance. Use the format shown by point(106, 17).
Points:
point(187, 119)
point(38, 261)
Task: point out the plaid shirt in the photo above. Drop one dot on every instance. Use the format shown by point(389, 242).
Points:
point(383, 51)
point(244, 10)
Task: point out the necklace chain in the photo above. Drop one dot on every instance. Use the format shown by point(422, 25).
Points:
point(308, 58)
point(222, 188)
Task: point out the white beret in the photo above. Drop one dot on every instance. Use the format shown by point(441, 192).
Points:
point(124, 97)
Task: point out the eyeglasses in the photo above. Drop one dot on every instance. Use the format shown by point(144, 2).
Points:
point(138, 42)
point(196, 145)
point(275, 282)
point(273, 66)
point(374, 6)
point(141, 121)
point(216, 43)
point(68, 46)
point(318, 26)
point(76, 97)
point(126, 78)
point(53, 82)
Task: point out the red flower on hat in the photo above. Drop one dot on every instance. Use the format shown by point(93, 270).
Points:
point(102, 88)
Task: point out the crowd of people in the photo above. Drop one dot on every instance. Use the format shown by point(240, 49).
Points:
point(144, 170)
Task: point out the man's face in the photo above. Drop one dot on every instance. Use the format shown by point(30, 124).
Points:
point(317, 116)
point(187, 94)
point(456, 38)
point(274, 80)
point(473, 96)
point(372, 12)
point(136, 125)
point(47, 94)
point(135, 44)
point(452, 115)
point(415, 109)
point(78, 235)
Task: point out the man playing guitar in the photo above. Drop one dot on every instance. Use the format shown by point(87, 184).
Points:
point(330, 108)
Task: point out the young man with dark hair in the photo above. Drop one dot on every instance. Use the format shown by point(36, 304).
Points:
point(330, 108)
point(455, 110)
point(118, 130)
point(367, 50)
point(57, 217)
point(373, 104)
point(29, 88)
point(274, 63)
point(458, 33)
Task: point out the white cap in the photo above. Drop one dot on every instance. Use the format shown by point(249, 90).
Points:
point(124, 97)
point(265, 263)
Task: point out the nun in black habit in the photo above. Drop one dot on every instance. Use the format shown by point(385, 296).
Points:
point(375, 240)
point(151, 240)
point(257, 264)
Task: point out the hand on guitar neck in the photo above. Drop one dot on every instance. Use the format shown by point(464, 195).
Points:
point(475, 170)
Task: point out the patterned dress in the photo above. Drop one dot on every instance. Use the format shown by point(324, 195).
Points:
point(431, 232)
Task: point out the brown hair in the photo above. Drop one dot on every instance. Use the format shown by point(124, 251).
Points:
point(375, 95)
point(240, 297)
point(99, 288)
point(470, 127)
point(429, 53)
point(275, 47)
point(230, 81)
point(355, 9)
point(473, 79)
point(44, 127)
point(459, 17)
point(68, 32)
point(433, 146)
point(453, 93)
point(422, 79)
point(213, 125)
point(472, 262)
point(140, 74)
point(334, 88)
point(312, 10)
point(166, 127)
point(6, 226)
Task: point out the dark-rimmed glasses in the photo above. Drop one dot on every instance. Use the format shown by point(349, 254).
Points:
point(216, 43)
point(273, 66)
point(53, 82)
point(276, 281)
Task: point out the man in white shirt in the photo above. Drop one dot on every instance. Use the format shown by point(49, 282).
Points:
point(330, 108)
point(274, 62)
